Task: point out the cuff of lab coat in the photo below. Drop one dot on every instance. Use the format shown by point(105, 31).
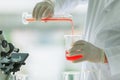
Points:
point(113, 61)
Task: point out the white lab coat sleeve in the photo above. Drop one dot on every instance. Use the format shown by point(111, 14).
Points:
point(111, 38)
point(65, 6)
point(113, 56)
point(108, 38)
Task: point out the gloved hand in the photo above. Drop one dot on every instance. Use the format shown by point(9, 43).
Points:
point(43, 9)
point(90, 52)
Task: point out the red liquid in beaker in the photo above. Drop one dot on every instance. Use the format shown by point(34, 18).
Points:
point(73, 58)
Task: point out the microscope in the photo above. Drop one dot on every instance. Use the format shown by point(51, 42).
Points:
point(10, 58)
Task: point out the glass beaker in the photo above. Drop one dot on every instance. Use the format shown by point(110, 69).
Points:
point(69, 41)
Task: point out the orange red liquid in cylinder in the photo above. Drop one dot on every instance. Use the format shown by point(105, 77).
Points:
point(71, 58)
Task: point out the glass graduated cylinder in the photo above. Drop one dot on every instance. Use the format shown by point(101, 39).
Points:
point(27, 18)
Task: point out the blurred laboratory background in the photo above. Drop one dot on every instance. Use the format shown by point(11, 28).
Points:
point(43, 41)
